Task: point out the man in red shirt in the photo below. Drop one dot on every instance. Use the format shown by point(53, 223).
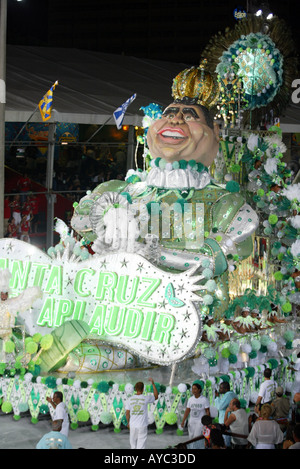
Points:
point(24, 183)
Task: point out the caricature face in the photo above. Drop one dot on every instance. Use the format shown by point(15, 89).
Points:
point(183, 134)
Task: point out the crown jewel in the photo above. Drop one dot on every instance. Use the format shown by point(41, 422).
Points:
point(197, 83)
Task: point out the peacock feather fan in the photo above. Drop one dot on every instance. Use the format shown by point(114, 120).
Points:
point(279, 51)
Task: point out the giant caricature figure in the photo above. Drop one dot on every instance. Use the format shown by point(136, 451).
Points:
point(182, 144)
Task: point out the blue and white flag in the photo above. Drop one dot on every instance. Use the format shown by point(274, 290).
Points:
point(119, 113)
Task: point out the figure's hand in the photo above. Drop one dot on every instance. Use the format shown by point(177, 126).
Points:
point(183, 260)
point(115, 222)
point(118, 232)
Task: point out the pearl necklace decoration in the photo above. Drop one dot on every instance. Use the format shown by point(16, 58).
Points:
point(180, 174)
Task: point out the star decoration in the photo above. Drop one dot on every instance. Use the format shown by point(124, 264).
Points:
point(187, 316)
point(140, 267)
point(163, 304)
point(124, 263)
point(69, 281)
point(180, 288)
point(103, 264)
point(176, 347)
point(183, 333)
point(9, 247)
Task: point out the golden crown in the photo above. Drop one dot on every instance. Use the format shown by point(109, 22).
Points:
point(197, 83)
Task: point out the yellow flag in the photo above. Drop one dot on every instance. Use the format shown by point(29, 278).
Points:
point(45, 104)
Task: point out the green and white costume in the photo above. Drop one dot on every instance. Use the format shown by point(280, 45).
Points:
point(227, 221)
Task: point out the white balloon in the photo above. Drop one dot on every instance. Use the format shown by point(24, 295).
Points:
point(129, 388)
point(182, 387)
point(253, 397)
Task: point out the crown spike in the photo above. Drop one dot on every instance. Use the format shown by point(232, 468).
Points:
point(197, 83)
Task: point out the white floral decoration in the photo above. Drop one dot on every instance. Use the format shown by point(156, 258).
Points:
point(295, 222)
point(292, 192)
point(271, 166)
point(275, 142)
point(252, 142)
point(295, 248)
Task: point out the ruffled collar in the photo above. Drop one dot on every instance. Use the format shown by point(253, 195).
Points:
point(177, 175)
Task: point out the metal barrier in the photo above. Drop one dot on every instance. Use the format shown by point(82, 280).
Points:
point(184, 444)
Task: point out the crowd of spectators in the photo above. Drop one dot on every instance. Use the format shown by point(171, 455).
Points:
point(74, 185)
point(75, 172)
point(76, 169)
point(21, 216)
point(105, 160)
point(273, 422)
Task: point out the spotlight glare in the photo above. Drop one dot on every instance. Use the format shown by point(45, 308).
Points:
point(258, 13)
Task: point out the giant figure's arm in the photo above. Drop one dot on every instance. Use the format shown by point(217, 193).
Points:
point(233, 223)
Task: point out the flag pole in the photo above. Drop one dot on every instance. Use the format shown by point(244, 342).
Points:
point(35, 110)
point(17, 136)
point(3, 29)
point(122, 109)
point(99, 129)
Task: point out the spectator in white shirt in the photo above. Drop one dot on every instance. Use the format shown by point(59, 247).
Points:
point(197, 407)
point(60, 412)
point(265, 433)
point(54, 439)
point(266, 391)
point(137, 415)
point(237, 421)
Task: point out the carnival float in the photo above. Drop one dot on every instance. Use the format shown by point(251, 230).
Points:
point(188, 270)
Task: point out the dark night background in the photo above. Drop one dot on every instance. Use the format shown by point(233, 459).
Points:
point(175, 31)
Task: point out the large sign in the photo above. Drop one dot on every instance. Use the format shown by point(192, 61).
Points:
point(125, 300)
